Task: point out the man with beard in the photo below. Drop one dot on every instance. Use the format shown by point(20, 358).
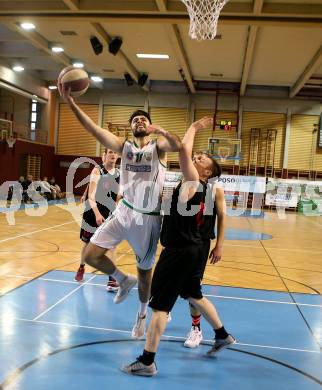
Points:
point(137, 217)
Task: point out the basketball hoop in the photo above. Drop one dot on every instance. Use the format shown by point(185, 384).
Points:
point(204, 16)
point(11, 141)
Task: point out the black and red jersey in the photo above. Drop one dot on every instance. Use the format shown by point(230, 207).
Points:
point(190, 223)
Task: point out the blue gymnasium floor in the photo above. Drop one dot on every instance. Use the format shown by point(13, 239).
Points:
point(57, 334)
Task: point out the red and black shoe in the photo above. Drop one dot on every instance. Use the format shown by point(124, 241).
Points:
point(112, 285)
point(79, 277)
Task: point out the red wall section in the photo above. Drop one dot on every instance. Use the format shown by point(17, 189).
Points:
point(61, 169)
point(10, 159)
point(52, 165)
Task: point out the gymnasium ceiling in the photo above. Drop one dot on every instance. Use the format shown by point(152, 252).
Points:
point(270, 43)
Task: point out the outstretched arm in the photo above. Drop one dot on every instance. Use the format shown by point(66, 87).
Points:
point(108, 139)
point(167, 142)
point(189, 137)
point(188, 169)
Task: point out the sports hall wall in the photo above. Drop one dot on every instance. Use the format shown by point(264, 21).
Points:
point(25, 155)
point(293, 119)
point(14, 162)
point(175, 112)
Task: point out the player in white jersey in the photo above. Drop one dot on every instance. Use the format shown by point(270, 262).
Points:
point(136, 218)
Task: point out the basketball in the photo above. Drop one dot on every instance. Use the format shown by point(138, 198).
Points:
point(75, 79)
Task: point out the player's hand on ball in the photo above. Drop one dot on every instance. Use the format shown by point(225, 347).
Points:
point(65, 94)
point(72, 82)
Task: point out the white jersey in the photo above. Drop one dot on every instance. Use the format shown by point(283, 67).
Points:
point(142, 177)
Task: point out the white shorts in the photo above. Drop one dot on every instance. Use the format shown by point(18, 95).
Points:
point(141, 231)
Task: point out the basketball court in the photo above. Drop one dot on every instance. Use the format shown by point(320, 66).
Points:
point(259, 76)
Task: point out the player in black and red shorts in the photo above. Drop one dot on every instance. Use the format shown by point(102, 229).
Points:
point(100, 197)
point(178, 270)
point(207, 222)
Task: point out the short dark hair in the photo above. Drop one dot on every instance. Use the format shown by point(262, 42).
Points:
point(140, 113)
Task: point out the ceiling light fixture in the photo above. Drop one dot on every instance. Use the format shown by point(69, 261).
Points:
point(18, 68)
point(96, 79)
point(57, 48)
point(27, 26)
point(154, 56)
point(78, 64)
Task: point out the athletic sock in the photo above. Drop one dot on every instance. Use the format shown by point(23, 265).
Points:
point(119, 276)
point(221, 333)
point(143, 309)
point(147, 357)
point(196, 321)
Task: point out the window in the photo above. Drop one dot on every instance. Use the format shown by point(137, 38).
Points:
point(33, 119)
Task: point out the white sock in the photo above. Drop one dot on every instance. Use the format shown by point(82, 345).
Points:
point(119, 276)
point(143, 309)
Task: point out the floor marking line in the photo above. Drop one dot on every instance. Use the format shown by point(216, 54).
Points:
point(275, 248)
point(163, 337)
point(62, 299)
point(35, 231)
point(206, 295)
point(73, 325)
point(73, 291)
point(261, 300)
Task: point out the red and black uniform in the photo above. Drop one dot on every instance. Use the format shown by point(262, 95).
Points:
point(105, 197)
point(186, 242)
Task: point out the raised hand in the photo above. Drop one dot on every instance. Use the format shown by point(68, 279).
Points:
point(203, 123)
point(64, 93)
point(156, 129)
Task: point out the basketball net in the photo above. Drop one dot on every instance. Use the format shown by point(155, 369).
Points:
point(11, 141)
point(204, 16)
point(223, 153)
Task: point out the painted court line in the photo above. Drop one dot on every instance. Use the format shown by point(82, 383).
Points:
point(163, 337)
point(35, 231)
point(73, 325)
point(73, 291)
point(275, 248)
point(206, 295)
point(62, 299)
point(66, 231)
point(261, 300)
point(17, 276)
